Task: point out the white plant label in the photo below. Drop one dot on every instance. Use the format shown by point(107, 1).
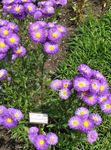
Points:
point(38, 118)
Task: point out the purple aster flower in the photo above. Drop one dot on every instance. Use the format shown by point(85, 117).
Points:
point(48, 10)
point(42, 23)
point(17, 9)
point(59, 2)
point(3, 111)
point(8, 122)
point(106, 107)
point(67, 84)
point(38, 36)
point(13, 40)
point(13, 27)
point(16, 114)
point(61, 29)
point(56, 84)
point(85, 70)
point(54, 35)
point(92, 136)
point(98, 75)
point(14, 56)
point(82, 112)
point(3, 74)
point(26, 1)
point(33, 133)
point(51, 48)
point(103, 97)
point(7, 8)
point(3, 46)
point(82, 94)
point(51, 24)
point(40, 142)
point(74, 122)
point(20, 51)
point(3, 22)
point(64, 94)
point(7, 2)
point(94, 86)
point(90, 99)
point(34, 27)
point(4, 32)
point(30, 8)
point(86, 125)
point(51, 138)
point(96, 118)
point(2, 56)
point(38, 14)
point(104, 87)
point(81, 84)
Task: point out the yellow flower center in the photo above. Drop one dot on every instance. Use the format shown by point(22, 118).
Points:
point(86, 123)
point(54, 34)
point(103, 98)
point(5, 32)
point(90, 98)
point(95, 118)
point(12, 40)
point(18, 51)
point(29, 7)
point(94, 86)
point(41, 142)
point(64, 93)
point(65, 85)
point(102, 88)
point(38, 35)
point(56, 84)
point(17, 9)
point(16, 115)
point(82, 113)
point(84, 93)
point(1, 74)
point(81, 84)
point(9, 7)
point(60, 29)
point(51, 47)
point(75, 122)
point(9, 120)
point(2, 44)
point(108, 106)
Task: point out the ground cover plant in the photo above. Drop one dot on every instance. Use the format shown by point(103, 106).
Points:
point(29, 88)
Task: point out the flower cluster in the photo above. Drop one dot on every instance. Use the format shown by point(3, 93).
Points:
point(49, 34)
point(63, 86)
point(92, 88)
point(9, 117)
point(85, 122)
point(21, 8)
point(4, 75)
point(10, 40)
point(40, 141)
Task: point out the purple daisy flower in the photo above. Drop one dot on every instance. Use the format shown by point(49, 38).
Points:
point(33, 133)
point(59, 2)
point(67, 84)
point(26, 1)
point(51, 48)
point(94, 86)
point(90, 99)
point(64, 94)
point(92, 136)
point(38, 14)
point(3, 74)
point(106, 107)
point(13, 27)
point(30, 8)
point(13, 40)
point(104, 87)
point(51, 24)
point(7, 2)
point(7, 8)
point(103, 97)
point(74, 122)
point(81, 84)
point(34, 27)
point(54, 35)
point(20, 51)
point(40, 142)
point(48, 10)
point(98, 75)
point(82, 94)
point(3, 111)
point(16, 114)
point(86, 125)
point(61, 29)
point(38, 36)
point(85, 70)
point(3, 46)
point(96, 118)
point(5, 31)
point(56, 84)
point(17, 9)
point(82, 112)
point(8, 122)
point(3, 22)
point(51, 138)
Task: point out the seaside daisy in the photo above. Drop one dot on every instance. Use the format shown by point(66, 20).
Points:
point(3, 74)
point(94, 86)
point(106, 106)
point(86, 125)
point(92, 136)
point(96, 118)
point(74, 122)
point(64, 94)
point(56, 84)
point(67, 84)
point(51, 138)
point(82, 112)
